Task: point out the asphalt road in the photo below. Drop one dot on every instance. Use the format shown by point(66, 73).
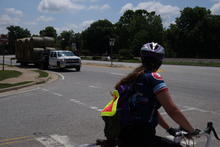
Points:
point(66, 112)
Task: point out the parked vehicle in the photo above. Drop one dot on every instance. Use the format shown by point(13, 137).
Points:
point(64, 59)
point(41, 51)
point(34, 50)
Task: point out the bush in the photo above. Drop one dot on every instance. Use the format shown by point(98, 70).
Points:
point(125, 54)
point(96, 58)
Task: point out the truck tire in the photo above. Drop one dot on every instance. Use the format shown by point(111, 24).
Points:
point(78, 68)
point(58, 66)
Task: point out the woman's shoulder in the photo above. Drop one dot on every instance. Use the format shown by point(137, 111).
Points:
point(153, 75)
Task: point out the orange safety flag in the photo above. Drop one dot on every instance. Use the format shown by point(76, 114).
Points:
point(111, 108)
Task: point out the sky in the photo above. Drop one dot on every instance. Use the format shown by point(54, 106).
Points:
point(77, 15)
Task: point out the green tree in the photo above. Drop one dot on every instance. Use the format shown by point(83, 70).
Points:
point(66, 39)
point(188, 37)
point(49, 32)
point(16, 32)
point(96, 37)
point(135, 28)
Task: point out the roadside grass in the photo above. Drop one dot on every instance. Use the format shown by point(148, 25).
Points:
point(42, 74)
point(9, 74)
point(6, 85)
point(209, 64)
point(187, 62)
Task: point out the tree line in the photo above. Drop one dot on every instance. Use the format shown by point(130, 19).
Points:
point(195, 34)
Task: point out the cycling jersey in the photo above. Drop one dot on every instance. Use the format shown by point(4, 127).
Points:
point(137, 103)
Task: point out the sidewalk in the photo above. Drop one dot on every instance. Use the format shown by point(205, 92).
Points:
point(27, 75)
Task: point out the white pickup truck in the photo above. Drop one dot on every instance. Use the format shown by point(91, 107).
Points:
point(64, 59)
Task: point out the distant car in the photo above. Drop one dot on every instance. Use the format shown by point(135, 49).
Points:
point(64, 59)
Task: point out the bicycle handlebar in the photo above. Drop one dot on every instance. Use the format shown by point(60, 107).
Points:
point(210, 128)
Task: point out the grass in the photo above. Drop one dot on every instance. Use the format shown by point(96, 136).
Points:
point(209, 64)
point(6, 85)
point(9, 74)
point(189, 63)
point(42, 74)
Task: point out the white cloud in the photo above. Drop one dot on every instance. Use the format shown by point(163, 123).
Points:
point(94, 0)
point(167, 12)
point(44, 19)
point(86, 0)
point(58, 5)
point(66, 28)
point(6, 20)
point(13, 11)
point(105, 7)
point(128, 6)
point(215, 9)
point(87, 23)
point(31, 23)
point(97, 7)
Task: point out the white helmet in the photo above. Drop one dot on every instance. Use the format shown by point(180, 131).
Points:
point(153, 50)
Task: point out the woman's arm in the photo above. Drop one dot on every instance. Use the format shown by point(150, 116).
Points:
point(162, 122)
point(173, 111)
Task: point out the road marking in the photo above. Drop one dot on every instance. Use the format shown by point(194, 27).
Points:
point(55, 141)
point(44, 89)
point(13, 142)
point(118, 74)
point(57, 94)
point(188, 108)
point(63, 140)
point(62, 76)
point(182, 110)
point(19, 92)
point(49, 142)
point(200, 110)
point(92, 86)
point(94, 108)
point(16, 140)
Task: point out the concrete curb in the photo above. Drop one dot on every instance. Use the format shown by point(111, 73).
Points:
point(37, 81)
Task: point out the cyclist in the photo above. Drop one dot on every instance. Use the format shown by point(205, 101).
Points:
point(140, 130)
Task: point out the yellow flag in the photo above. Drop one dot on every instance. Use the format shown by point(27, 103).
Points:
point(111, 108)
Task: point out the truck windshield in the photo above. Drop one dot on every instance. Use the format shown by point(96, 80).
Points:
point(60, 54)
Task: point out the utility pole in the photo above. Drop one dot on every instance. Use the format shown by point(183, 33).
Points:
point(4, 42)
point(3, 64)
point(111, 44)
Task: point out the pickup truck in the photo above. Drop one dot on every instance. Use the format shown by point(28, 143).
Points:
point(64, 59)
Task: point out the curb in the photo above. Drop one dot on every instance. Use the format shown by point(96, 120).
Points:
point(38, 81)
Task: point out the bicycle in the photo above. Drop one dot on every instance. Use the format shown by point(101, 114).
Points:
point(180, 137)
point(184, 138)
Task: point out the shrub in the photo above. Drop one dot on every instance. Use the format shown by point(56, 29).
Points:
point(125, 54)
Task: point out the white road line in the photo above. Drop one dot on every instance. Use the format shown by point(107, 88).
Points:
point(62, 76)
point(44, 89)
point(200, 110)
point(94, 108)
point(20, 92)
point(49, 142)
point(118, 74)
point(182, 110)
point(63, 140)
point(92, 86)
point(57, 94)
point(78, 102)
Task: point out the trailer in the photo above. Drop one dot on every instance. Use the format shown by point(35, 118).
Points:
point(34, 50)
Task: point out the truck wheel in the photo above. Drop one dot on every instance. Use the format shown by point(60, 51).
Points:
point(59, 67)
point(78, 68)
